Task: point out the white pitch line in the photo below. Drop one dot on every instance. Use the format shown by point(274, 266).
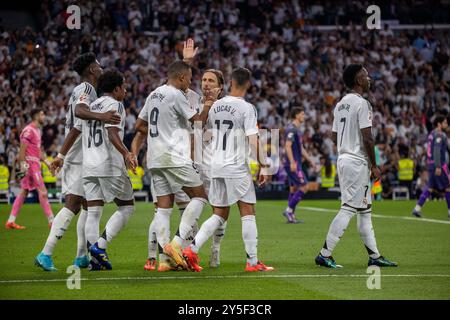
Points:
point(234, 277)
point(380, 216)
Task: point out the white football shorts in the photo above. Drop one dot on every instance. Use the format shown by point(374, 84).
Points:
point(354, 182)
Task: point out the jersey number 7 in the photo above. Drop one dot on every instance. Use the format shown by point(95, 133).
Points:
point(230, 126)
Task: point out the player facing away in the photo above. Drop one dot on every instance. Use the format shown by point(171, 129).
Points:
point(352, 133)
point(166, 118)
point(82, 95)
point(437, 165)
point(30, 155)
point(298, 183)
point(234, 127)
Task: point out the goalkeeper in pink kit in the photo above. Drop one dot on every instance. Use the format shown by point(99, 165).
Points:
point(30, 169)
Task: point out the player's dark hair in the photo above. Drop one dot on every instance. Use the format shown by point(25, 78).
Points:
point(83, 61)
point(350, 73)
point(34, 112)
point(241, 76)
point(177, 68)
point(439, 119)
point(218, 74)
point(109, 80)
point(295, 111)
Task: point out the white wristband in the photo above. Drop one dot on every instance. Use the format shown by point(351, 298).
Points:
point(61, 156)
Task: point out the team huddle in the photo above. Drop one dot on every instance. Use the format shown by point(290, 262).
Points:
point(198, 146)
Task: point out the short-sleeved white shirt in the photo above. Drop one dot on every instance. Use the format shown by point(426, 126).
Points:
point(167, 113)
point(83, 93)
point(100, 157)
point(231, 120)
point(351, 114)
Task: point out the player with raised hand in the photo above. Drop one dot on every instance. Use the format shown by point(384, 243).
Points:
point(352, 133)
point(166, 118)
point(234, 125)
point(437, 165)
point(30, 176)
point(89, 70)
point(212, 80)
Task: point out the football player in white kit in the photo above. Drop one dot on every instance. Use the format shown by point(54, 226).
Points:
point(234, 124)
point(211, 79)
point(105, 164)
point(166, 118)
point(87, 66)
point(352, 133)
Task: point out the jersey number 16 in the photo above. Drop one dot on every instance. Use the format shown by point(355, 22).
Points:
point(95, 133)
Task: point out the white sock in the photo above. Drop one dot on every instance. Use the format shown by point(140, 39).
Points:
point(206, 230)
point(218, 236)
point(250, 237)
point(288, 209)
point(152, 242)
point(191, 235)
point(162, 225)
point(59, 227)
point(81, 234)
point(92, 228)
point(418, 208)
point(366, 232)
point(114, 225)
point(189, 219)
point(337, 229)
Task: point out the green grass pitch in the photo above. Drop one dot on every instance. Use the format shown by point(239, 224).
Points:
point(421, 247)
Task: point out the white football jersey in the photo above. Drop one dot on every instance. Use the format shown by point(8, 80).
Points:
point(100, 157)
point(83, 93)
point(352, 114)
point(203, 158)
point(167, 113)
point(231, 120)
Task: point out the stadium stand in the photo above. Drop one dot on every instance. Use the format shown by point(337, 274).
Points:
point(294, 62)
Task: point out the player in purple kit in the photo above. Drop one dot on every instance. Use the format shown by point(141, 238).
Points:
point(298, 183)
point(437, 165)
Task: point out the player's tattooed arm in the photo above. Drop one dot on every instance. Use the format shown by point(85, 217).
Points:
point(82, 111)
point(130, 158)
point(369, 145)
point(189, 52)
point(70, 139)
point(141, 128)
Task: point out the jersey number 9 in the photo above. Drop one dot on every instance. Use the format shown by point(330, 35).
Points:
point(154, 123)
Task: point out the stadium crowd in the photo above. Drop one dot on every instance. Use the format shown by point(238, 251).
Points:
point(292, 63)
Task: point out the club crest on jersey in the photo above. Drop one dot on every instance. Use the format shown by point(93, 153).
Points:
point(438, 140)
point(83, 97)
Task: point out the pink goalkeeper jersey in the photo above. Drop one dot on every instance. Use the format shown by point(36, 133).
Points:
point(31, 136)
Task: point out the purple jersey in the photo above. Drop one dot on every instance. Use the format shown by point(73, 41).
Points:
point(294, 135)
point(436, 150)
